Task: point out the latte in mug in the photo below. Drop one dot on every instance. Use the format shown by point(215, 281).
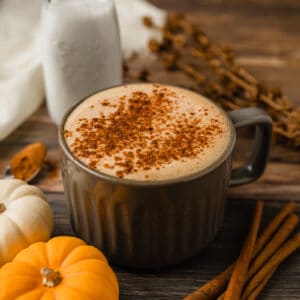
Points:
point(146, 168)
point(147, 132)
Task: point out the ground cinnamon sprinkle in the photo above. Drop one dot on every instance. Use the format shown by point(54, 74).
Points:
point(143, 132)
point(28, 161)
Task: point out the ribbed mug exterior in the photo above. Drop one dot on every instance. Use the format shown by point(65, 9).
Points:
point(145, 226)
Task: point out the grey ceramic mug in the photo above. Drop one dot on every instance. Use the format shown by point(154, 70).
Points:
point(153, 224)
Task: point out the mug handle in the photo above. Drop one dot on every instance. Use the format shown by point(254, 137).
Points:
point(253, 168)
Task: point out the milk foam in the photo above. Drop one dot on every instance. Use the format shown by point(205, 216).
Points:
point(186, 102)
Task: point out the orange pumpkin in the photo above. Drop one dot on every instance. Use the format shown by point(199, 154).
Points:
point(64, 268)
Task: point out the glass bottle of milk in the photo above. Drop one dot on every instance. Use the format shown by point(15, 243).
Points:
point(81, 51)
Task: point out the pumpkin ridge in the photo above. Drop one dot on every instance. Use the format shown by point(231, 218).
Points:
point(41, 293)
point(16, 195)
point(29, 190)
point(80, 290)
point(22, 189)
point(18, 278)
point(112, 278)
point(18, 228)
point(44, 220)
point(62, 262)
point(22, 197)
point(85, 246)
point(22, 236)
point(91, 297)
point(32, 247)
point(41, 218)
point(67, 275)
point(51, 244)
point(110, 281)
point(85, 260)
point(12, 184)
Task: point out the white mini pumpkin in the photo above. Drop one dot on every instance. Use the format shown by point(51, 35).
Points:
point(25, 217)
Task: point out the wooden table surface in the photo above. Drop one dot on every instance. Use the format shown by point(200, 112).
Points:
point(265, 35)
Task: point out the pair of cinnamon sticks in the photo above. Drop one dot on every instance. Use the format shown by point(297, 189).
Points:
point(258, 260)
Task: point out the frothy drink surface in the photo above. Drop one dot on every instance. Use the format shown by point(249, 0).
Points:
point(147, 132)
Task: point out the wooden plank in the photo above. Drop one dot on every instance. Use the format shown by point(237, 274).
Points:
point(280, 181)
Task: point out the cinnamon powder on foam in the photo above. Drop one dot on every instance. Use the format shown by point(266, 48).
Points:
point(143, 132)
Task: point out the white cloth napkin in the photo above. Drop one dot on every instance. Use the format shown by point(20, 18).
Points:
point(21, 77)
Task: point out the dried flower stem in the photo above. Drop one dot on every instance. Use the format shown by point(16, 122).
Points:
point(185, 47)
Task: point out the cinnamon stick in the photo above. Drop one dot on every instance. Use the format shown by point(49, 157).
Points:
point(279, 238)
point(217, 285)
point(281, 235)
point(260, 287)
point(213, 288)
point(239, 274)
point(287, 249)
point(273, 225)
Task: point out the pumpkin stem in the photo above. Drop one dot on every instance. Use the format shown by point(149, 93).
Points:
point(2, 208)
point(51, 278)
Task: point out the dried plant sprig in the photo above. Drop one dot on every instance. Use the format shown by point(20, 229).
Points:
point(185, 47)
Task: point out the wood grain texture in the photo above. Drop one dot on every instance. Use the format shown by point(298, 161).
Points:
point(265, 36)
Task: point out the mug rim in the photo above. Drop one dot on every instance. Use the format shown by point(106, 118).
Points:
point(144, 183)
